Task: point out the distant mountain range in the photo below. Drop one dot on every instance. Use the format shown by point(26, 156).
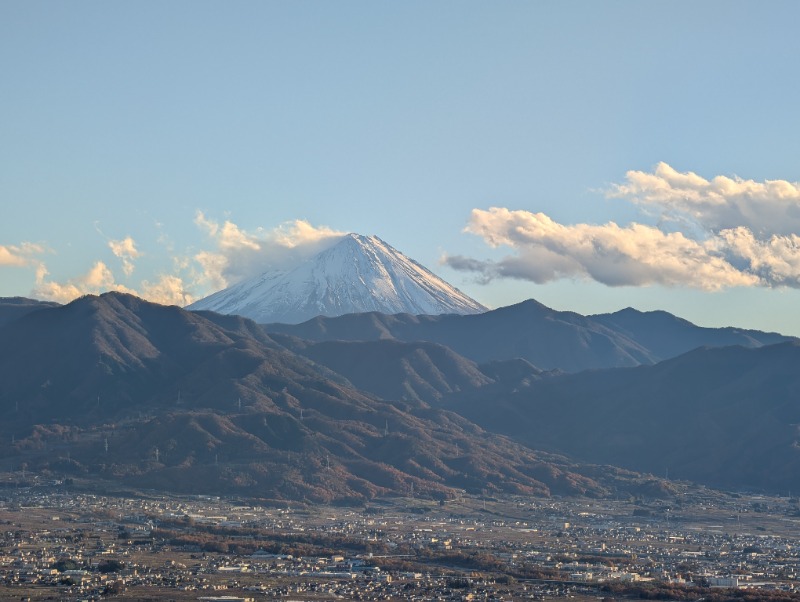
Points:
point(549, 339)
point(521, 399)
point(357, 274)
point(12, 308)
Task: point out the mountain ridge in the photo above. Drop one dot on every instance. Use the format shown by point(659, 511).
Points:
point(12, 308)
point(547, 338)
point(668, 335)
point(117, 388)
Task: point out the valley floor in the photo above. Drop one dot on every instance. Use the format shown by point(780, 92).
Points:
point(64, 544)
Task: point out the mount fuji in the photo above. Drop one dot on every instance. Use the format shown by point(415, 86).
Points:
point(357, 274)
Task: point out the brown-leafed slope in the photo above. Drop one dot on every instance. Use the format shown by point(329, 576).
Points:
point(726, 417)
point(117, 388)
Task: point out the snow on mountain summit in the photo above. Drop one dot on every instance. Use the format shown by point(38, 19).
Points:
point(357, 274)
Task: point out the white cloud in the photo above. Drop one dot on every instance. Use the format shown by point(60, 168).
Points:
point(236, 254)
point(10, 256)
point(125, 250)
point(239, 254)
point(711, 234)
point(228, 235)
point(19, 255)
point(299, 233)
point(776, 260)
point(768, 207)
point(169, 289)
point(97, 280)
point(213, 265)
point(611, 254)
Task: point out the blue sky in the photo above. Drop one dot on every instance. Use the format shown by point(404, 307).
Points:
point(132, 133)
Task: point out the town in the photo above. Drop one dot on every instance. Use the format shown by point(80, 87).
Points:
point(65, 544)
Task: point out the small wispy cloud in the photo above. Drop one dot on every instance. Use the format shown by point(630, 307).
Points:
point(21, 255)
point(724, 232)
point(126, 251)
point(168, 289)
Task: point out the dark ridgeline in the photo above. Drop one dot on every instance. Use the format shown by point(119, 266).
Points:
point(12, 308)
point(666, 336)
point(549, 339)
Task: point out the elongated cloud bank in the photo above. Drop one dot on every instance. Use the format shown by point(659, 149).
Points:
point(738, 233)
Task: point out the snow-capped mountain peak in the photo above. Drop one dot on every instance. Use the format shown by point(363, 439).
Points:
point(357, 274)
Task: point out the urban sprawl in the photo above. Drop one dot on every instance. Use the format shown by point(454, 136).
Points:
point(63, 544)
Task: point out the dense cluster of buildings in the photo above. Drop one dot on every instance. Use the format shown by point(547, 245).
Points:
point(81, 546)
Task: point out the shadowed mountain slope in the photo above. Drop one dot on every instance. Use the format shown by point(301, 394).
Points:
point(666, 335)
point(12, 308)
point(113, 387)
point(549, 339)
point(726, 417)
point(546, 338)
point(393, 369)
